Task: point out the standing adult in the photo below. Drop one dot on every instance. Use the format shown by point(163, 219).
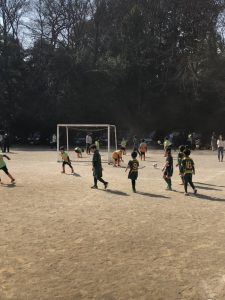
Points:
point(88, 143)
point(6, 143)
point(136, 145)
point(123, 145)
point(1, 141)
point(220, 145)
point(213, 141)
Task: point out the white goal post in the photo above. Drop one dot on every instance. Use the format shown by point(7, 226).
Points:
point(108, 127)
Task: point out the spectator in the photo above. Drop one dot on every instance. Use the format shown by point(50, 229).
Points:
point(213, 141)
point(6, 143)
point(1, 141)
point(220, 145)
point(88, 143)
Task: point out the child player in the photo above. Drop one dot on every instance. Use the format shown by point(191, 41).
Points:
point(117, 157)
point(4, 168)
point(66, 160)
point(133, 173)
point(97, 168)
point(79, 151)
point(143, 149)
point(180, 156)
point(168, 169)
point(188, 168)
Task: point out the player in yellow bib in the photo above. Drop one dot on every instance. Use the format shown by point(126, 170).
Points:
point(188, 168)
point(66, 160)
point(4, 168)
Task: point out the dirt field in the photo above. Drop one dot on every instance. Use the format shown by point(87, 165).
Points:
point(61, 240)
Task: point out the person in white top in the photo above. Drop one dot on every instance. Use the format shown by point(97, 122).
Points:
point(220, 145)
point(88, 143)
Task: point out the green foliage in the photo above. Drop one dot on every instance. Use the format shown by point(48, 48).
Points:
point(140, 64)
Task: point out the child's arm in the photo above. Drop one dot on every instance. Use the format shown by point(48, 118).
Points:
point(128, 167)
point(6, 157)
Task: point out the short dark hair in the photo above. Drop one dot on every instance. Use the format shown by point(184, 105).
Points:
point(93, 146)
point(143, 141)
point(61, 148)
point(187, 152)
point(182, 148)
point(134, 154)
point(168, 150)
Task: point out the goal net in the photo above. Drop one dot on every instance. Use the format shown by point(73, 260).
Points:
point(74, 135)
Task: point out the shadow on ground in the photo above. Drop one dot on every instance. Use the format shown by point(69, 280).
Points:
point(152, 195)
point(209, 198)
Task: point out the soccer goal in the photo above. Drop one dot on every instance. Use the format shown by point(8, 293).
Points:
point(72, 135)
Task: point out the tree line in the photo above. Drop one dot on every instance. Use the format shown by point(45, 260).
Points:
point(139, 64)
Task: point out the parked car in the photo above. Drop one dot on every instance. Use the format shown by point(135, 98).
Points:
point(34, 138)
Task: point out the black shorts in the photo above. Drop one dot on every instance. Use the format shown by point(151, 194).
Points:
point(168, 172)
point(142, 153)
point(4, 169)
point(66, 163)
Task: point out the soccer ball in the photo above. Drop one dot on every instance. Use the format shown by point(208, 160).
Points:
point(159, 142)
point(155, 165)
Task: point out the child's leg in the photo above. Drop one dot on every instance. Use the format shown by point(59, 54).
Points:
point(71, 167)
point(222, 150)
point(166, 179)
point(191, 183)
point(63, 167)
point(144, 155)
point(133, 185)
point(10, 176)
point(103, 181)
point(219, 153)
point(169, 182)
point(185, 182)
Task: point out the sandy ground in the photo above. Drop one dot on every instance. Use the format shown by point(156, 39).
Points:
point(61, 240)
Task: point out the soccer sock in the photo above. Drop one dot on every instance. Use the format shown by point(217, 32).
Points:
point(169, 183)
point(192, 185)
point(95, 181)
point(133, 184)
point(101, 180)
point(166, 180)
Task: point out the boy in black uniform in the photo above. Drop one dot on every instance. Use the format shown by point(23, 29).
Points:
point(97, 168)
point(133, 173)
point(179, 162)
point(188, 168)
point(168, 169)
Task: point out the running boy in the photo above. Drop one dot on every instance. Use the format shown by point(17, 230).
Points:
point(117, 157)
point(97, 168)
point(168, 169)
point(66, 160)
point(133, 173)
point(188, 168)
point(143, 149)
point(180, 156)
point(4, 168)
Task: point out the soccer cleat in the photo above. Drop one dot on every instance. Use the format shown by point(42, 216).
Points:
point(169, 188)
point(94, 187)
point(134, 191)
point(13, 180)
point(195, 191)
point(186, 194)
point(106, 185)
